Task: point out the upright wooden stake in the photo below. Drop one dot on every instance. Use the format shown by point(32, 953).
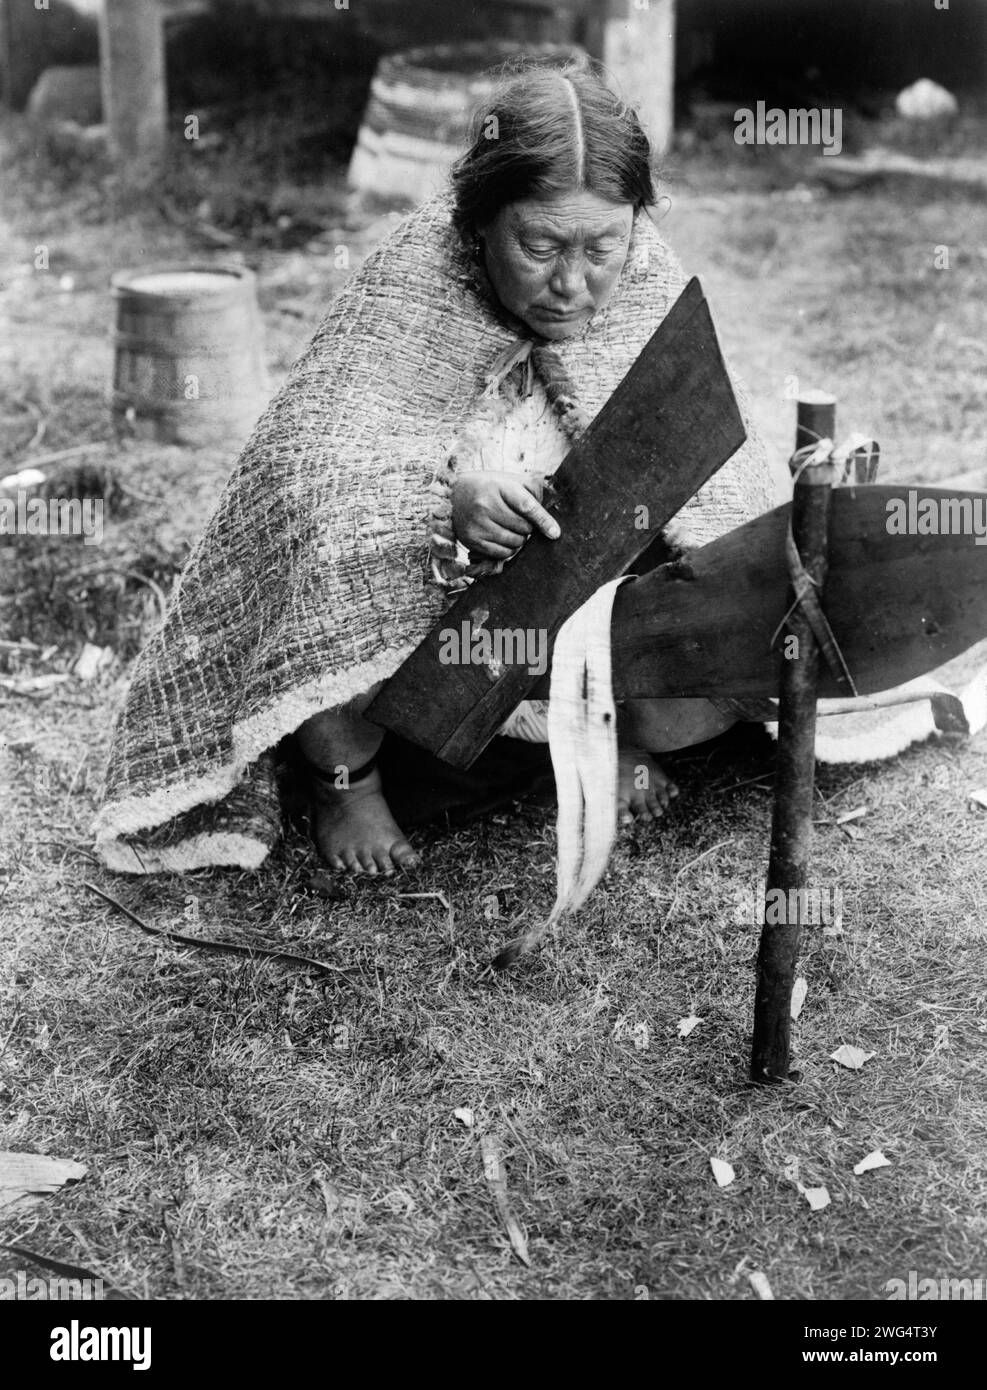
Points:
point(791, 828)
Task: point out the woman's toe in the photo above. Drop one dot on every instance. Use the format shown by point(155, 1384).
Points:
point(383, 860)
point(404, 856)
point(353, 865)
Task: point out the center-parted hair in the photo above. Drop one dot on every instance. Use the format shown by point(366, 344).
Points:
point(549, 131)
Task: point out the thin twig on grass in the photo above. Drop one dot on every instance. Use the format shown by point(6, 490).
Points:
point(496, 1176)
point(748, 782)
point(139, 496)
point(60, 454)
point(691, 864)
point(87, 1250)
point(234, 947)
point(441, 897)
point(10, 1033)
point(75, 778)
point(70, 849)
point(39, 433)
point(67, 1271)
point(155, 589)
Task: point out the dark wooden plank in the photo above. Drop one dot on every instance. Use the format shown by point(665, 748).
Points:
point(899, 606)
point(669, 425)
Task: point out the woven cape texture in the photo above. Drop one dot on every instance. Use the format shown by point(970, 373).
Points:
point(311, 581)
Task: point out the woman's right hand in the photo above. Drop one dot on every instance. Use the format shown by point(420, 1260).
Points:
point(494, 513)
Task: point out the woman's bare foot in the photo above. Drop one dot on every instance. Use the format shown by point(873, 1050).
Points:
point(355, 832)
point(644, 792)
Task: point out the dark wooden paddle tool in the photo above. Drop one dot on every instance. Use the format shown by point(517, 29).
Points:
point(669, 425)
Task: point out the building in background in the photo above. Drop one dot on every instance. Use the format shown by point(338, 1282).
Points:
point(666, 55)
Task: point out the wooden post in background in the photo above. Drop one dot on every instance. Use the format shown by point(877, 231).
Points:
point(637, 45)
point(24, 36)
point(132, 63)
point(791, 827)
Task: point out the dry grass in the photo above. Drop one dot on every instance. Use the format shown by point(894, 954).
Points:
point(252, 1133)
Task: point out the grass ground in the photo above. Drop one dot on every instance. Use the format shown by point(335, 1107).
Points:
point(252, 1133)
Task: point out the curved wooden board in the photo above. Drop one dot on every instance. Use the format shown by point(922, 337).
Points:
point(899, 605)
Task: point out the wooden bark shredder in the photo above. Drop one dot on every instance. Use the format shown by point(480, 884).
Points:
point(721, 621)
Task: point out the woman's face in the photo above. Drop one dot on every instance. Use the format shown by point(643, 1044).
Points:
point(554, 262)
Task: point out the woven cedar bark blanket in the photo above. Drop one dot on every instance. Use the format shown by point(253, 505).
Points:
point(311, 581)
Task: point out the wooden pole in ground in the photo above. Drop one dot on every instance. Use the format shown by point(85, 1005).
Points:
point(791, 827)
point(636, 43)
point(132, 65)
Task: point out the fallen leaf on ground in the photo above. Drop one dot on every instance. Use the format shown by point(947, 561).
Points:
point(979, 797)
point(686, 1025)
point(27, 477)
point(91, 660)
point(26, 1178)
point(722, 1172)
point(799, 992)
point(330, 1193)
point(850, 1056)
point(639, 1033)
point(759, 1283)
point(817, 1197)
point(873, 1160)
point(491, 907)
point(464, 1113)
point(496, 1176)
point(855, 814)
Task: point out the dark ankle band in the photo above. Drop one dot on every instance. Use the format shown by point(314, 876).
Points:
point(331, 779)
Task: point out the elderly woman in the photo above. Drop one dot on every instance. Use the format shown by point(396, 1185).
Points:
point(407, 452)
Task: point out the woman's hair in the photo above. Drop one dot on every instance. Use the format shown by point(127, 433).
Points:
point(547, 131)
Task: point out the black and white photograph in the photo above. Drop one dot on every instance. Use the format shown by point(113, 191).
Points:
point(493, 666)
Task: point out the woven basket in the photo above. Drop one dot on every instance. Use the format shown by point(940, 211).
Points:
point(421, 102)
